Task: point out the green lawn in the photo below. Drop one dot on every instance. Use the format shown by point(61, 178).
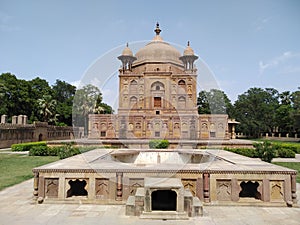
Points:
point(291, 165)
point(17, 168)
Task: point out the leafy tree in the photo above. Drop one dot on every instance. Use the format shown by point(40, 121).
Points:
point(84, 104)
point(101, 107)
point(214, 102)
point(47, 108)
point(15, 98)
point(38, 88)
point(295, 98)
point(64, 93)
point(255, 110)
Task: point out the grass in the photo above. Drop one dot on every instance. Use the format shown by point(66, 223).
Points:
point(17, 168)
point(291, 165)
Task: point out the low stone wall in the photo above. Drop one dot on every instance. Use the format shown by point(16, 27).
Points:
point(39, 131)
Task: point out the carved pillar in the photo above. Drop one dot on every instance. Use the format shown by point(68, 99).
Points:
point(265, 190)
point(36, 185)
point(293, 184)
point(235, 190)
point(206, 187)
point(119, 186)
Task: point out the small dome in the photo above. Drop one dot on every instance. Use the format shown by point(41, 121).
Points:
point(127, 51)
point(188, 50)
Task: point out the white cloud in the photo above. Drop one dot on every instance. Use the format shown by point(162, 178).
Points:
point(277, 61)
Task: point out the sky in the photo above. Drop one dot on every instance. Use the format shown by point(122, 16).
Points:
point(244, 43)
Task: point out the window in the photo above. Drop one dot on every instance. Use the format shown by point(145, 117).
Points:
point(213, 134)
point(157, 112)
point(157, 134)
point(181, 82)
point(157, 101)
point(156, 84)
point(133, 101)
point(103, 133)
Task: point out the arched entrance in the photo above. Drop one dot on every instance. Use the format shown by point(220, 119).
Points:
point(165, 200)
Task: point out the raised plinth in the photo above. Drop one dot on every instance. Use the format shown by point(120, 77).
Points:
point(164, 215)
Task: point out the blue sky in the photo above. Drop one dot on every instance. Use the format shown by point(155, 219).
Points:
point(245, 43)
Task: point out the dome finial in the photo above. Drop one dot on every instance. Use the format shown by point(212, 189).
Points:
point(188, 44)
point(127, 44)
point(157, 30)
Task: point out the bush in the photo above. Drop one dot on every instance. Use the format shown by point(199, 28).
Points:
point(53, 151)
point(40, 150)
point(249, 152)
point(67, 151)
point(26, 146)
point(265, 150)
point(159, 144)
point(285, 153)
point(291, 146)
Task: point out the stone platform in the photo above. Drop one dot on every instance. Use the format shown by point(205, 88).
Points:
point(16, 208)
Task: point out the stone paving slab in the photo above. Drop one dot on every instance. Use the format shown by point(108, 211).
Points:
point(17, 208)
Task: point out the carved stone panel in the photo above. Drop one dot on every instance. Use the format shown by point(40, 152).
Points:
point(224, 190)
point(51, 187)
point(276, 190)
point(135, 183)
point(190, 184)
point(102, 188)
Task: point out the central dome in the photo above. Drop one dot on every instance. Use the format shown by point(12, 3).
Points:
point(158, 51)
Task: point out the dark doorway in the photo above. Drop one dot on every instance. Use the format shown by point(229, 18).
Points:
point(77, 188)
point(165, 200)
point(157, 101)
point(40, 137)
point(249, 190)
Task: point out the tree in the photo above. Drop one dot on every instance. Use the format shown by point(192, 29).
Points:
point(38, 88)
point(84, 104)
point(15, 98)
point(214, 102)
point(295, 99)
point(47, 108)
point(64, 93)
point(101, 107)
point(255, 110)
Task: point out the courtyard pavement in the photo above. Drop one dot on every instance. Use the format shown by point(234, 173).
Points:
point(17, 208)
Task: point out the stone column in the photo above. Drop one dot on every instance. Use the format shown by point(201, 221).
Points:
point(206, 187)
point(235, 190)
point(36, 184)
point(119, 186)
point(233, 135)
point(147, 201)
point(25, 119)
point(265, 195)
point(294, 189)
point(20, 119)
point(180, 200)
point(14, 120)
point(4, 119)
